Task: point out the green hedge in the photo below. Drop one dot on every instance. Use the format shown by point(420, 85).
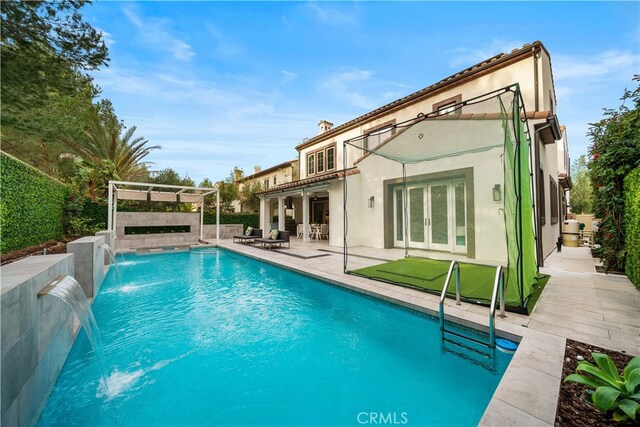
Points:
point(246, 219)
point(632, 225)
point(31, 205)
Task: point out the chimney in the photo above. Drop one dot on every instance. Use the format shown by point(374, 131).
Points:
point(324, 126)
point(256, 169)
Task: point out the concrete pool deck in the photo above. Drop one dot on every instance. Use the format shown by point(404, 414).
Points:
point(577, 303)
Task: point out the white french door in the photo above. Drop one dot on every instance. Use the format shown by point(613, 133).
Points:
point(436, 216)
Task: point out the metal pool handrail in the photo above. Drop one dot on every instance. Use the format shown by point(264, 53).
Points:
point(454, 265)
point(498, 289)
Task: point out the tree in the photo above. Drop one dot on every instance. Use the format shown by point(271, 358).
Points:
point(229, 189)
point(248, 196)
point(615, 152)
point(41, 41)
point(47, 47)
point(581, 192)
point(210, 200)
point(109, 151)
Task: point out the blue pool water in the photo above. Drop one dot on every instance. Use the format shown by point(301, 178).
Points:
point(214, 338)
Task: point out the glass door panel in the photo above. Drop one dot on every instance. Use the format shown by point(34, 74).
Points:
point(460, 203)
point(439, 217)
point(416, 217)
point(399, 217)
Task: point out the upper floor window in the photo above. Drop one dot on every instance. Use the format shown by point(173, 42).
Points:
point(448, 105)
point(378, 135)
point(331, 153)
point(265, 184)
point(321, 160)
point(311, 164)
point(274, 180)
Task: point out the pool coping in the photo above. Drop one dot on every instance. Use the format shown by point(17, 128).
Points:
point(528, 391)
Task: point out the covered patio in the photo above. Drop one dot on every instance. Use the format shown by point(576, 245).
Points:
point(300, 207)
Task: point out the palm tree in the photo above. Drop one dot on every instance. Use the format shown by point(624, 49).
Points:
point(109, 150)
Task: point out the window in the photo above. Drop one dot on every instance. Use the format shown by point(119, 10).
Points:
point(331, 152)
point(553, 192)
point(448, 105)
point(311, 164)
point(542, 205)
point(320, 161)
point(265, 184)
point(274, 180)
point(378, 136)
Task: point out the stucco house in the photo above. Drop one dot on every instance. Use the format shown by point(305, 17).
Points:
point(325, 166)
point(265, 179)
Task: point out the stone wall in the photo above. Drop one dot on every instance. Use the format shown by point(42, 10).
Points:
point(227, 231)
point(37, 334)
point(146, 219)
point(89, 263)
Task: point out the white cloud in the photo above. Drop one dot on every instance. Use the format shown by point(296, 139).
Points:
point(153, 32)
point(288, 76)
point(329, 15)
point(574, 74)
point(463, 57)
point(360, 88)
point(223, 44)
point(341, 85)
point(593, 66)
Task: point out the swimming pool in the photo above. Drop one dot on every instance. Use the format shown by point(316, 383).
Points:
point(215, 338)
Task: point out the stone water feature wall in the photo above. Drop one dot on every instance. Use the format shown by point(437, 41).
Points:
point(153, 240)
point(37, 334)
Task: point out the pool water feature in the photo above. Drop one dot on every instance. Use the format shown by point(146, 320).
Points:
point(68, 290)
point(214, 338)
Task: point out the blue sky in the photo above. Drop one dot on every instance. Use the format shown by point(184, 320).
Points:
point(224, 84)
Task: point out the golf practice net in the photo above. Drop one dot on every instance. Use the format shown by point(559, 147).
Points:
point(450, 184)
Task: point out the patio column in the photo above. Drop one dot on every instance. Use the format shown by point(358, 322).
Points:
point(281, 213)
point(217, 217)
point(110, 213)
point(201, 217)
point(115, 216)
point(263, 215)
point(305, 216)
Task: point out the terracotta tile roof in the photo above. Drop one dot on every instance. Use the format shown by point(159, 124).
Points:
point(484, 65)
point(268, 170)
point(309, 181)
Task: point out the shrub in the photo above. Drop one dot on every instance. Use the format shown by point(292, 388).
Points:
point(84, 217)
point(632, 225)
point(611, 393)
point(615, 153)
point(246, 219)
point(31, 205)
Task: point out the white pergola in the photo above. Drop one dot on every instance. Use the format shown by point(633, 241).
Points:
point(123, 190)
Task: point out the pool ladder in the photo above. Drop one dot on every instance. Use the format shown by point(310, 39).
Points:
point(498, 291)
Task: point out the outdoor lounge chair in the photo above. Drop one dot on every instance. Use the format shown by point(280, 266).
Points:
point(256, 233)
point(283, 237)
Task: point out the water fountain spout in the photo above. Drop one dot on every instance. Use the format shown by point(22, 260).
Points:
point(68, 290)
point(112, 257)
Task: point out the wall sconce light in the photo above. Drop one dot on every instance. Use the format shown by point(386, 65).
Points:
point(497, 194)
point(370, 202)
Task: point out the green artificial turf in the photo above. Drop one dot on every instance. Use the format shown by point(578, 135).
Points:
point(476, 281)
point(541, 282)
